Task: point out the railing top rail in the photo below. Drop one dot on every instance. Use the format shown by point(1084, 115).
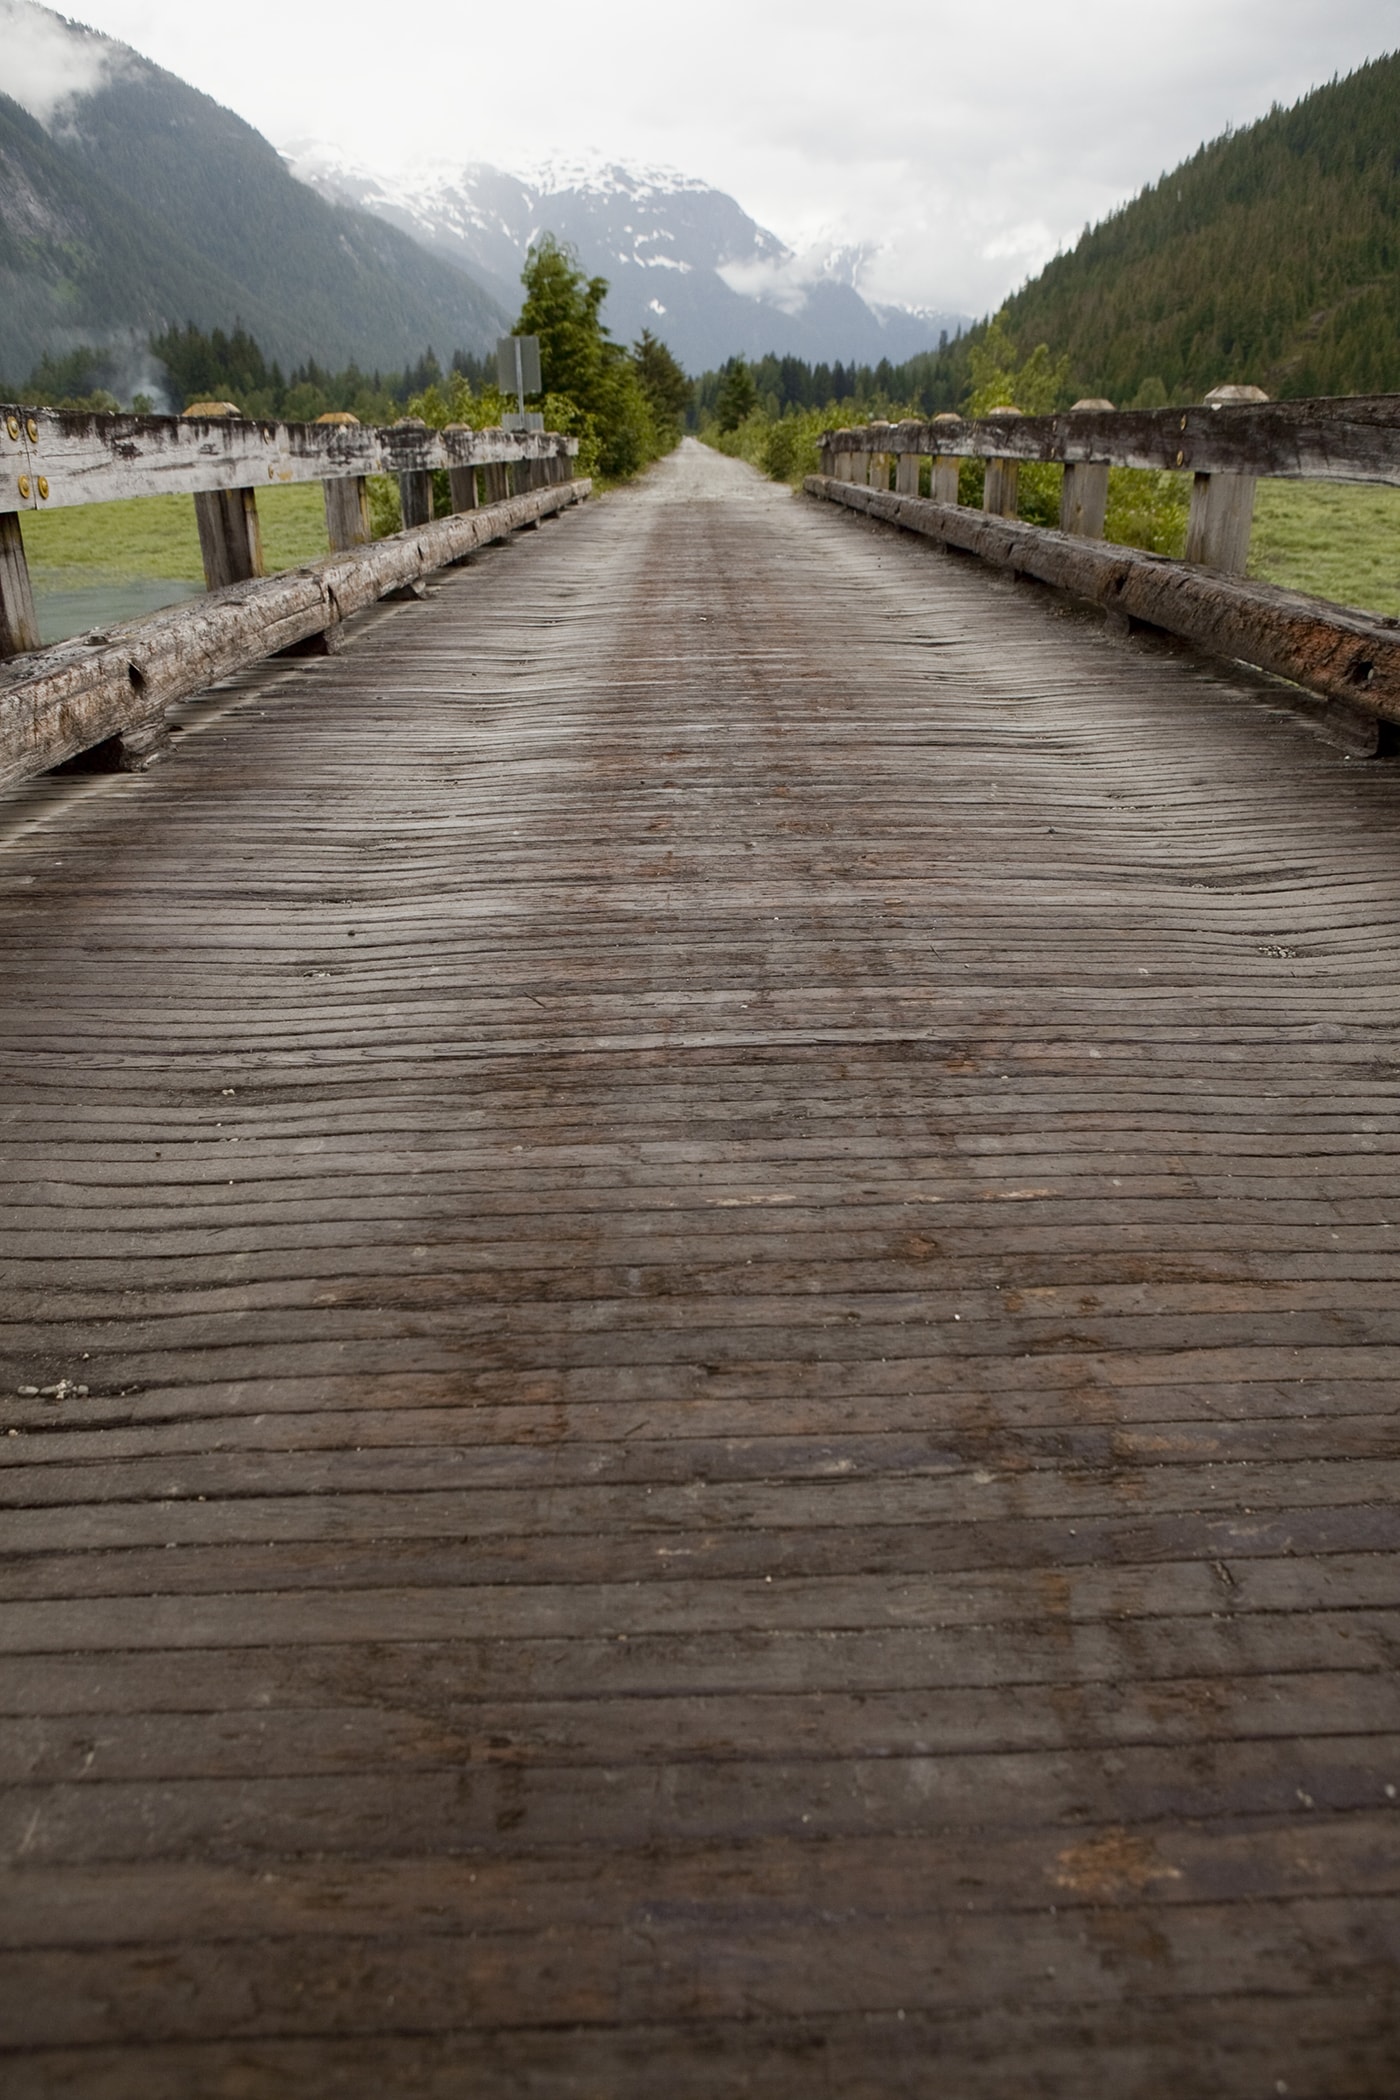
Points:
point(51, 459)
point(1347, 438)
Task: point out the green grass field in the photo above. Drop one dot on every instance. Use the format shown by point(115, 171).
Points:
point(1336, 539)
point(154, 536)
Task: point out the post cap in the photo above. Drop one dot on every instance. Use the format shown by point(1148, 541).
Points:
point(1005, 408)
point(946, 415)
point(212, 408)
point(1091, 401)
point(339, 415)
point(1219, 395)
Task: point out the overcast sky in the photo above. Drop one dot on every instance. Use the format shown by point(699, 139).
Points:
point(965, 142)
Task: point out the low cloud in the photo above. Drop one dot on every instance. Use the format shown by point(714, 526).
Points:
point(785, 281)
point(46, 61)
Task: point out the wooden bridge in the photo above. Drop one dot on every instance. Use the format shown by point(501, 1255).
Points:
point(702, 1351)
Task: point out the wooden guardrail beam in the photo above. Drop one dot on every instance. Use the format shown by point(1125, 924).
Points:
point(1349, 438)
point(51, 459)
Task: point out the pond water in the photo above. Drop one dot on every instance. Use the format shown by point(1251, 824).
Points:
point(66, 607)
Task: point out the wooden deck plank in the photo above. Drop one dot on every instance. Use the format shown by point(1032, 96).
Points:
point(728, 1201)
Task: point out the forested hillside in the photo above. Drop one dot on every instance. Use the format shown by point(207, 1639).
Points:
point(1271, 256)
point(142, 204)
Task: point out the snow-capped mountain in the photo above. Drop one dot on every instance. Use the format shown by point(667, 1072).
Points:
point(681, 258)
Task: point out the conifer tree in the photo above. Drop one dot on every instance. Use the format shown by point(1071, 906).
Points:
point(738, 394)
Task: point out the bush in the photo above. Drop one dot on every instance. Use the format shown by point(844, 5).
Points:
point(1148, 509)
point(792, 450)
point(745, 442)
point(385, 514)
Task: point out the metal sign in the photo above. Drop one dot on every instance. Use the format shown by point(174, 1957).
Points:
point(518, 366)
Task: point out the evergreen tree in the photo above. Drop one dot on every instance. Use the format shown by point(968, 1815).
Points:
point(738, 395)
point(563, 308)
point(663, 382)
point(580, 361)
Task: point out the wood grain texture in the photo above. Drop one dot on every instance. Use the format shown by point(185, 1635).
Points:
point(1083, 501)
point(738, 1309)
point(347, 511)
point(84, 457)
point(1354, 437)
point(19, 622)
point(1220, 521)
point(230, 537)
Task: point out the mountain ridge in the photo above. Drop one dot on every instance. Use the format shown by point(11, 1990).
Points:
point(682, 258)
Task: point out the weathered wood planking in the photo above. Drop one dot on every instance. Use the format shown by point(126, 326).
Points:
point(120, 682)
point(1349, 438)
point(1328, 649)
point(51, 458)
point(739, 1308)
point(19, 621)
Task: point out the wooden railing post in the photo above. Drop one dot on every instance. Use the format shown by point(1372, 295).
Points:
point(416, 499)
point(461, 481)
point(906, 462)
point(347, 513)
point(943, 479)
point(230, 538)
point(523, 478)
point(19, 623)
point(1222, 505)
point(494, 478)
point(1084, 492)
point(415, 487)
point(877, 464)
point(1001, 488)
point(346, 499)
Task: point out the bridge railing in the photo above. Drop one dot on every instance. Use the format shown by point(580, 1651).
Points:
point(112, 687)
point(51, 460)
point(1227, 443)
